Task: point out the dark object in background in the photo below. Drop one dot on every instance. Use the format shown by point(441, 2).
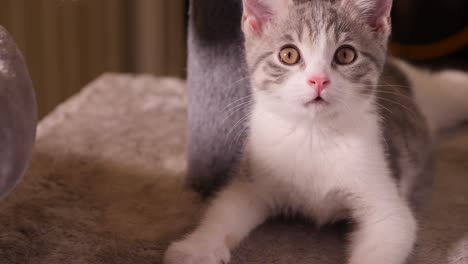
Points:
point(421, 29)
point(431, 32)
point(18, 116)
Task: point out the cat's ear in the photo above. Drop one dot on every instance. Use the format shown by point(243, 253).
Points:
point(375, 12)
point(258, 13)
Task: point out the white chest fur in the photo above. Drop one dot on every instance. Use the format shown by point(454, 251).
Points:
point(310, 167)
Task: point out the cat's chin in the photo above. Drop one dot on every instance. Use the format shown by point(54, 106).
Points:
point(298, 111)
point(321, 109)
point(317, 107)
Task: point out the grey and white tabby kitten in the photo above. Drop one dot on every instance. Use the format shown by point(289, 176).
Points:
point(337, 131)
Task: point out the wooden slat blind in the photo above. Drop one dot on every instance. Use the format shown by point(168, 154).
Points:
point(160, 43)
point(67, 43)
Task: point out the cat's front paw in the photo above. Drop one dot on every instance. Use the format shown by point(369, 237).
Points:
point(196, 252)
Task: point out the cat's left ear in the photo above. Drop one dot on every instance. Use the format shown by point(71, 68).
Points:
point(375, 12)
point(259, 13)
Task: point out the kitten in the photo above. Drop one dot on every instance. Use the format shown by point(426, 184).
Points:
point(337, 130)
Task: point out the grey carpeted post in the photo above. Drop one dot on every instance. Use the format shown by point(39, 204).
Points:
point(18, 115)
point(217, 86)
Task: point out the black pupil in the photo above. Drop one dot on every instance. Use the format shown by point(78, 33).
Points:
point(289, 56)
point(346, 54)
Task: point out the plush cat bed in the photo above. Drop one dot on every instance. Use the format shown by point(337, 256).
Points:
point(17, 114)
point(106, 186)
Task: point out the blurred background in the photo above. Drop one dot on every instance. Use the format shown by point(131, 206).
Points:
point(68, 43)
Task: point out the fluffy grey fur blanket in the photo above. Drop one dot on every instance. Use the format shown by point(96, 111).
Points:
point(106, 186)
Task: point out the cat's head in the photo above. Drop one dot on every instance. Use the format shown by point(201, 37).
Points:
point(317, 57)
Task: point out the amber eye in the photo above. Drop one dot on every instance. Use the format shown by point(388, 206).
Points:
point(289, 55)
point(345, 55)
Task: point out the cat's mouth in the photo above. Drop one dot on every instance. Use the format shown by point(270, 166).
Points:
point(317, 101)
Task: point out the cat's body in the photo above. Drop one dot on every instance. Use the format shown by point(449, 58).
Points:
point(337, 131)
point(386, 137)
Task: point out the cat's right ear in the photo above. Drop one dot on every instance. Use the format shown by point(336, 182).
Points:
point(259, 13)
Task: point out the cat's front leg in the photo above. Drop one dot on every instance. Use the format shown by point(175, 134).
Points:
point(386, 231)
point(233, 214)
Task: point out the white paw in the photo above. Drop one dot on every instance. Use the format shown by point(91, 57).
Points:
point(196, 252)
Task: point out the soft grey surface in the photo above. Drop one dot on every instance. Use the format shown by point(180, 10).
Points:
point(106, 186)
point(17, 114)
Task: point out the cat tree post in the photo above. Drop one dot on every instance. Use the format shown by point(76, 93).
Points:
point(18, 115)
point(216, 79)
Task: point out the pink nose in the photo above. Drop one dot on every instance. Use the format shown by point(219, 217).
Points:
point(319, 83)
